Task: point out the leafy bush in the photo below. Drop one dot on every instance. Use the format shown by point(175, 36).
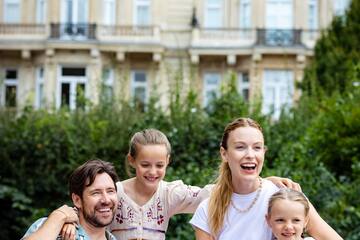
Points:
point(315, 144)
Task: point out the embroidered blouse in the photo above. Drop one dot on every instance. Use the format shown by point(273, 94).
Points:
point(151, 220)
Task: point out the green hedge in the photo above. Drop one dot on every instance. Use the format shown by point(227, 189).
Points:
point(316, 145)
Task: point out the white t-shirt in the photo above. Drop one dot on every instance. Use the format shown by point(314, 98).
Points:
point(241, 226)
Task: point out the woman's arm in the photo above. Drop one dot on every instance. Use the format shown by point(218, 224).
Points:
point(202, 235)
point(318, 228)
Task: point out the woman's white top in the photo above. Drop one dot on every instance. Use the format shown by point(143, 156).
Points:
point(250, 225)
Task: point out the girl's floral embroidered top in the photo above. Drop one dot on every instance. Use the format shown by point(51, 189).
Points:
point(151, 220)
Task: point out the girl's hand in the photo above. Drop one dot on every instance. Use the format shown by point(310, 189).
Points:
point(68, 231)
point(284, 182)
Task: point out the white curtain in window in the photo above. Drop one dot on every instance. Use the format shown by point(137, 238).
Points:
point(41, 11)
point(340, 6)
point(142, 12)
point(245, 14)
point(109, 10)
point(211, 87)
point(12, 11)
point(213, 14)
point(279, 14)
point(313, 14)
point(278, 90)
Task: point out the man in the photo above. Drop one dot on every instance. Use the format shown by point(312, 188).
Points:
point(92, 189)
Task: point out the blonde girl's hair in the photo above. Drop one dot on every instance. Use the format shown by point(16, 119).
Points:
point(291, 195)
point(221, 195)
point(145, 137)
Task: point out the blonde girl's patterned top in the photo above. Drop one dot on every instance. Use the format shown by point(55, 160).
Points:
point(151, 220)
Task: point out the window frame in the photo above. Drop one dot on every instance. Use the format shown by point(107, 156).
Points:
point(41, 13)
point(73, 81)
point(109, 12)
point(245, 10)
point(277, 83)
point(211, 88)
point(9, 82)
point(39, 91)
point(141, 3)
point(9, 17)
point(211, 7)
point(135, 84)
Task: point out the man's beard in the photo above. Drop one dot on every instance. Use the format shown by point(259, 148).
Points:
point(93, 220)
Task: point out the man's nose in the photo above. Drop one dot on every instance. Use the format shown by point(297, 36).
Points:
point(105, 198)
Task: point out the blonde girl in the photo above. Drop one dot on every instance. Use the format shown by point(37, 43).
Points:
point(288, 214)
point(237, 206)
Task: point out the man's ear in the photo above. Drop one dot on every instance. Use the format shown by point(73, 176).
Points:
point(76, 200)
point(223, 154)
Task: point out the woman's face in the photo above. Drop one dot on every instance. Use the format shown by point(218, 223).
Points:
point(245, 153)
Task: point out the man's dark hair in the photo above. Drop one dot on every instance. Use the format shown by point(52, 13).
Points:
point(85, 175)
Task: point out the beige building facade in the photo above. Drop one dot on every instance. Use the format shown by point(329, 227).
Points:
point(54, 51)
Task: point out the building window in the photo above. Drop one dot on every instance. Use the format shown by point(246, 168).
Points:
point(278, 90)
point(213, 14)
point(12, 11)
point(9, 91)
point(244, 85)
point(139, 88)
point(142, 13)
point(41, 11)
point(109, 10)
point(245, 14)
point(340, 6)
point(74, 11)
point(108, 82)
point(313, 14)
point(72, 88)
point(39, 102)
point(212, 83)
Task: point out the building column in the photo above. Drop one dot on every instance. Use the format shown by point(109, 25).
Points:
point(50, 79)
point(94, 76)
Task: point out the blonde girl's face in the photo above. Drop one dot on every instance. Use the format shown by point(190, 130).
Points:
point(287, 219)
point(150, 164)
point(245, 153)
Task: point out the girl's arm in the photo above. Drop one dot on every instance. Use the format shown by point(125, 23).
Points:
point(318, 228)
point(202, 235)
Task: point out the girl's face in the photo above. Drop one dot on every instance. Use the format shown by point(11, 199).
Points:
point(150, 164)
point(245, 153)
point(287, 219)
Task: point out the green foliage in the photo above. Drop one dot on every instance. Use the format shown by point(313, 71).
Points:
point(337, 56)
point(315, 144)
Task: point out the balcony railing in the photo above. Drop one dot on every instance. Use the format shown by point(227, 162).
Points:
point(73, 31)
point(279, 37)
point(129, 34)
point(22, 29)
point(223, 37)
point(134, 31)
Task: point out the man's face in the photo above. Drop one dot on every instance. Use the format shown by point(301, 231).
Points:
point(98, 204)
